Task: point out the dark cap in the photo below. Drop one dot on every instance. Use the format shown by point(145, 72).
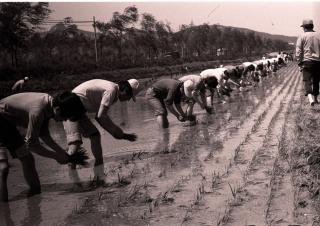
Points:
point(306, 22)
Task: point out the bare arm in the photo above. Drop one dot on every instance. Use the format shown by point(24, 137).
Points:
point(299, 50)
point(42, 151)
point(48, 140)
point(106, 123)
point(199, 99)
point(174, 112)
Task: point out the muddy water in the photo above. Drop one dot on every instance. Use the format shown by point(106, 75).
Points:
point(192, 145)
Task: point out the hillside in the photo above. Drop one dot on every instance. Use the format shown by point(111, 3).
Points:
point(292, 39)
point(266, 35)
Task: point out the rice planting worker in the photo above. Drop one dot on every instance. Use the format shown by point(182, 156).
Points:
point(98, 96)
point(223, 78)
point(195, 92)
point(308, 57)
point(251, 70)
point(18, 86)
point(32, 111)
point(166, 94)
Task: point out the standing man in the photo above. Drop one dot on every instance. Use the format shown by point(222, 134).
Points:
point(97, 96)
point(308, 57)
point(32, 111)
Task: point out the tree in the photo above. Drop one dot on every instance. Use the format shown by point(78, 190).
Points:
point(117, 27)
point(18, 21)
point(148, 26)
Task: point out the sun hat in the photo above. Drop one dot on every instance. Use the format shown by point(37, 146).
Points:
point(135, 88)
point(306, 22)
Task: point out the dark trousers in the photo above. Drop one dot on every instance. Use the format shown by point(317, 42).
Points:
point(311, 77)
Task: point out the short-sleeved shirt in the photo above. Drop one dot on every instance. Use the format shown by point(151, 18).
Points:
point(192, 83)
point(233, 71)
point(18, 85)
point(308, 47)
point(168, 90)
point(216, 72)
point(28, 110)
point(96, 92)
point(247, 64)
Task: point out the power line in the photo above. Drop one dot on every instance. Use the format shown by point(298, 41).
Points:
point(213, 10)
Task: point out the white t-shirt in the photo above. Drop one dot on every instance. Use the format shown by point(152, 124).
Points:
point(190, 84)
point(96, 92)
point(217, 72)
point(247, 64)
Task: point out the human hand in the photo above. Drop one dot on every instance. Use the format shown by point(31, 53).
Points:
point(181, 118)
point(78, 157)
point(129, 136)
point(62, 158)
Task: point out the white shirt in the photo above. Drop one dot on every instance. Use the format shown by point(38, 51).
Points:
point(190, 84)
point(96, 92)
point(217, 72)
point(247, 64)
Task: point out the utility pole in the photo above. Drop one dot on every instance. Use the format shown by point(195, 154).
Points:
point(95, 40)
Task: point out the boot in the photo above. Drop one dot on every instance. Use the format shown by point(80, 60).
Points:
point(311, 99)
point(316, 100)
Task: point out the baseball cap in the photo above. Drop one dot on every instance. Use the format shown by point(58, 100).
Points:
point(135, 88)
point(306, 22)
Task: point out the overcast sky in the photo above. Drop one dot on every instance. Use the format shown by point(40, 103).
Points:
point(266, 16)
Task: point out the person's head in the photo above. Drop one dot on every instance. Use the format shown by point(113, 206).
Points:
point(128, 89)
point(211, 82)
point(67, 106)
point(26, 78)
point(226, 74)
point(307, 24)
point(260, 66)
point(251, 67)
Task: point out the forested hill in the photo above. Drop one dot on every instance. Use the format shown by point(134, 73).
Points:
point(289, 39)
point(263, 35)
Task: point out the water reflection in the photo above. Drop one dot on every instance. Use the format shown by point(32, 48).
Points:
point(5, 215)
point(33, 215)
point(176, 148)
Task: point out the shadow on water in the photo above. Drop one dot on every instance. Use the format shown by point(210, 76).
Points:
point(33, 215)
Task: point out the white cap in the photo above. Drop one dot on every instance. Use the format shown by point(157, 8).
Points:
point(135, 88)
point(26, 78)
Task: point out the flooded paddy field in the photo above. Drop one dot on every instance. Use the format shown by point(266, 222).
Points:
point(231, 168)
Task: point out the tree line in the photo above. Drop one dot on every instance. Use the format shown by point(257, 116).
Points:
point(127, 40)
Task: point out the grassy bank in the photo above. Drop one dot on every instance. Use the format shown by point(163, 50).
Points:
point(306, 162)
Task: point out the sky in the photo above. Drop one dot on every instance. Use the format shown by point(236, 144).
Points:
point(272, 17)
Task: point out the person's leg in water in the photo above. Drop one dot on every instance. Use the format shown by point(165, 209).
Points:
point(163, 121)
point(4, 171)
point(74, 140)
point(189, 111)
point(30, 174)
point(89, 130)
point(11, 141)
